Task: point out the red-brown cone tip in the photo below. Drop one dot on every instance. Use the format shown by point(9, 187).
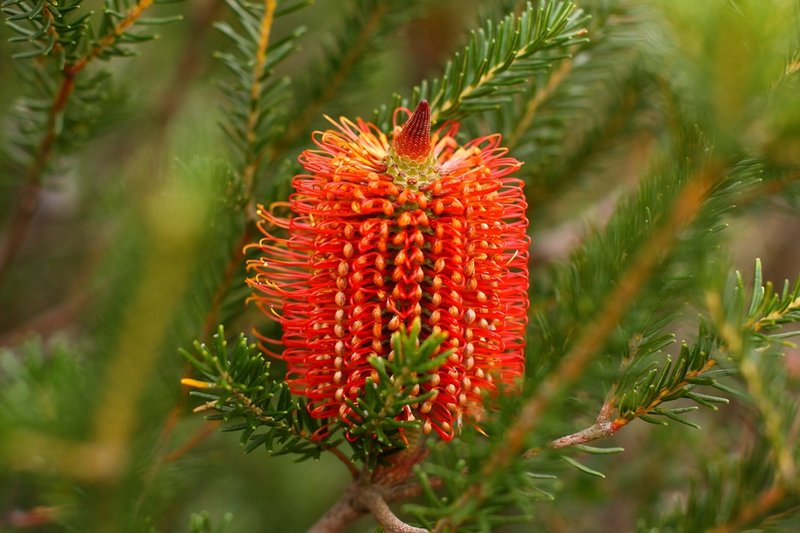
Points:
point(414, 140)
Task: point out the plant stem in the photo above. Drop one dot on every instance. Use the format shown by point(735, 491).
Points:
point(361, 497)
point(253, 157)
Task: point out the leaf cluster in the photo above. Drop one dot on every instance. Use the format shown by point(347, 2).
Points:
point(256, 98)
point(496, 62)
point(244, 393)
point(383, 422)
point(61, 28)
point(575, 114)
point(65, 107)
point(248, 399)
point(66, 31)
point(642, 391)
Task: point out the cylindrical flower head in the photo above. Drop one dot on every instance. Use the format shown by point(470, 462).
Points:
point(382, 233)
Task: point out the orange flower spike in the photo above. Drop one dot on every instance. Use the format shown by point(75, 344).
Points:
point(386, 233)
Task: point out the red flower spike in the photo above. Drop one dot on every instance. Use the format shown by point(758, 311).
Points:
point(414, 140)
point(378, 239)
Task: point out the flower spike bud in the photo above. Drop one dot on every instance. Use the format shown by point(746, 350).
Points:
point(410, 161)
point(414, 140)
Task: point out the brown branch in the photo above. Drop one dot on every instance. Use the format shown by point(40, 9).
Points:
point(605, 426)
point(598, 430)
point(370, 492)
point(29, 197)
point(362, 497)
point(594, 336)
point(344, 512)
point(370, 498)
point(339, 454)
point(407, 491)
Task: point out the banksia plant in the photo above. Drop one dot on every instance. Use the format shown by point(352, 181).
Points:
point(518, 281)
point(389, 229)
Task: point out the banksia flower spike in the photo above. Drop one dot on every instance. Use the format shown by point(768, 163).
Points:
point(386, 232)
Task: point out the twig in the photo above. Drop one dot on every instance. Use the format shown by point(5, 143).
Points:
point(339, 454)
point(253, 158)
point(605, 426)
point(370, 491)
point(370, 498)
point(361, 497)
point(598, 430)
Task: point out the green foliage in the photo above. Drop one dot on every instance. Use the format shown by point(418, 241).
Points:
point(496, 62)
point(527, 488)
point(242, 392)
point(725, 488)
point(42, 391)
point(47, 26)
point(346, 62)
point(59, 39)
point(768, 309)
point(377, 430)
point(643, 390)
point(256, 97)
point(580, 110)
point(249, 400)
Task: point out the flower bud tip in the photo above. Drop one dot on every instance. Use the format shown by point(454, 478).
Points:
point(414, 139)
